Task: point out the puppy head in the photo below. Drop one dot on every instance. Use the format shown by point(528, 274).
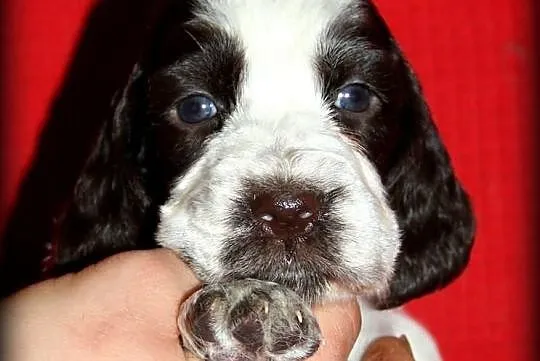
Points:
point(289, 141)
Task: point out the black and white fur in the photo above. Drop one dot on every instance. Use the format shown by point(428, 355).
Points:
point(395, 223)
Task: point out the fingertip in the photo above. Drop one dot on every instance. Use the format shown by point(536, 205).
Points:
point(340, 324)
point(341, 315)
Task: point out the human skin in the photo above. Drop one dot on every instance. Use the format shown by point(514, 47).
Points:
point(125, 308)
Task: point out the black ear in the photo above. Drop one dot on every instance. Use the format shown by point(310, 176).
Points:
point(110, 203)
point(433, 210)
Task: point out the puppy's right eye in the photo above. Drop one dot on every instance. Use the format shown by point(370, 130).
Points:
point(196, 108)
point(354, 98)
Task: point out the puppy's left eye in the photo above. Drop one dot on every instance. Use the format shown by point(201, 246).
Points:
point(354, 98)
point(196, 108)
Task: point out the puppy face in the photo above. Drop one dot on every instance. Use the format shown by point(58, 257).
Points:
point(284, 141)
point(286, 129)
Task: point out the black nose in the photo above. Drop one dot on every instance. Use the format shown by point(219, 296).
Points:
point(286, 215)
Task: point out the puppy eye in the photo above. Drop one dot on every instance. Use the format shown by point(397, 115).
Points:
point(196, 108)
point(354, 98)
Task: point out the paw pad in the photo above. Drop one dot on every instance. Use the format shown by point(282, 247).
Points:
point(248, 320)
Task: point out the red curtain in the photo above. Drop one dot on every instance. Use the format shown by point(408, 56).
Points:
point(474, 59)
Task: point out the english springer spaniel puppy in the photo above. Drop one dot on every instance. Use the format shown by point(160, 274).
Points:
point(284, 150)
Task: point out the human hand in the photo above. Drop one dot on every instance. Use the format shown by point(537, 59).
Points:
point(125, 308)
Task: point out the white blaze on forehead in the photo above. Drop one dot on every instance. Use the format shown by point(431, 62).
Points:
point(280, 39)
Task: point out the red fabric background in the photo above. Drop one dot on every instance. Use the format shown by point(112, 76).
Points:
point(475, 61)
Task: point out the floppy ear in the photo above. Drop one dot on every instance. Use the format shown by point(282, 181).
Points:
point(433, 210)
point(110, 202)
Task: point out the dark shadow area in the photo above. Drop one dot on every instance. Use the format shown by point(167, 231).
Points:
point(3, 69)
point(115, 35)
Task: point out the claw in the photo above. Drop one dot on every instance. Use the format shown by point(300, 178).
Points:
point(299, 316)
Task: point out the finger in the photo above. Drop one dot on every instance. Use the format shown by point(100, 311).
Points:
point(145, 286)
point(389, 348)
point(170, 271)
point(340, 325)
point(159, 272)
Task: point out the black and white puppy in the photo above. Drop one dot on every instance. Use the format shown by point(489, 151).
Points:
point(284, 150)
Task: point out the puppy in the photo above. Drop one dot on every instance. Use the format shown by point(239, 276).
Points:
point(284, 150)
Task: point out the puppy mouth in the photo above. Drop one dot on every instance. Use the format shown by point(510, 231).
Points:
point(289, 239)
point(312, 265)
point(296, 267)
point(290, 249)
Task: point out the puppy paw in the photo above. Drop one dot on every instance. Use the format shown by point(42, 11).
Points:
point(248, 320)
